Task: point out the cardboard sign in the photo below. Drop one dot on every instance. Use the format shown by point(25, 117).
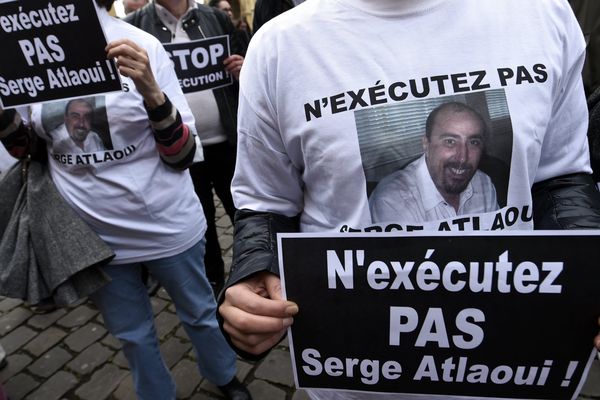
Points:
point(199, 63)
point(504, 315)
point(53, 50)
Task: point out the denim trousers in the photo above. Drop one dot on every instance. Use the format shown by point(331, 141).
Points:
point(127, 312)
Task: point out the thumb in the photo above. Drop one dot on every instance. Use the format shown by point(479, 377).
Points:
point(273, 286)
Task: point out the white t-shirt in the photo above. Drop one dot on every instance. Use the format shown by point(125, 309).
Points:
point(330, 85)
point(6, 160)
point(409, 195)
point(304, 97)
point(142, 208)
point(62, 142)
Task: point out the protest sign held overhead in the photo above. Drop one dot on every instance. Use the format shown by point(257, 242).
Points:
point(199, 63)
point(56, 51)
point(482, 315)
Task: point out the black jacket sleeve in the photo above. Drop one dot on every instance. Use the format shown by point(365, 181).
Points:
point(566, 202)
point(255, 250)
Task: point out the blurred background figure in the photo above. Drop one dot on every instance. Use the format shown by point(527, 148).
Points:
point(588, 15)
point(243, 32)
point(132, 5)
point(264, 10)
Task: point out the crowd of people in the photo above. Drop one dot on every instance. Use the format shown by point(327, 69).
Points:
point(284, 149)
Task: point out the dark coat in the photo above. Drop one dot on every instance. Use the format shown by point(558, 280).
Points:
point(46, 250)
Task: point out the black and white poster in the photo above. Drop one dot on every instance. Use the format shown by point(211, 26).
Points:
point(52, 50)
point(199, 63)
point(498, 315)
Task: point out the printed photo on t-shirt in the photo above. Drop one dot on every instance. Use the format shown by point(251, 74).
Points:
point(77, 126)
point(434, 159)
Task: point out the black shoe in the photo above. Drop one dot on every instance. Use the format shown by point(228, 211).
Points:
point(235, 390)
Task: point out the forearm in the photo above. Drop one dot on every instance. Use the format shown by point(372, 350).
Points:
point(255, 243)
point(174, 141)
point(254, 251)
point(566, 202)
point(15, 136)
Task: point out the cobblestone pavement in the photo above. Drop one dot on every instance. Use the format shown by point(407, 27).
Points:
point(68, 354)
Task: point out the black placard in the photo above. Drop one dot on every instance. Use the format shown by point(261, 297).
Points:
point(52, 50)
point(488, 315)
point(199, 63)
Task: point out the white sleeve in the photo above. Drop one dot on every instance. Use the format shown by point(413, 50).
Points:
point(565, 146)
point(265, 177)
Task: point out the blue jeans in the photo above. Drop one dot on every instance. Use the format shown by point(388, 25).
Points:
point(127, 313)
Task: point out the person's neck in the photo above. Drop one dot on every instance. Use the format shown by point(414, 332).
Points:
point(177, 8)
point(392, 7)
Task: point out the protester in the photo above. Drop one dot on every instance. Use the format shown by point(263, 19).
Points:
point(242, 30)
point(445, 181)
point(130, 6)
point(312, 69)
point(215, 111)
point(588, 13)
point(139, 199)
point(265, 10)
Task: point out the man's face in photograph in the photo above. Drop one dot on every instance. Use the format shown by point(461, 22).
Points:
point(453, 150)
point(78, 120)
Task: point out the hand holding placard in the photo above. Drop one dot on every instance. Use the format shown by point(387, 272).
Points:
point(255, 314)
point(132, 62)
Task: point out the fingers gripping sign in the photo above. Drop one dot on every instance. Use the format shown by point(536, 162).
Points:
point(233, 65)
point(255, 316)
point(132, 62)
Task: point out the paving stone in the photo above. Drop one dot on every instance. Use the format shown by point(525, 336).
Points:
point(16, 363)
point(285, 343)
point(187, 378)
point(55, 387)
point(300, 395)
point(42, 321)
point(592, 384)
point(227, 262)
point(102, 384)
point(243, 369)
point(50, 362)
point(223, 222)
point(8, 304)
point(19, 385)
point(201, 396)
point(17, 338)
point(276, 368)
point(78, 317)
point(263, 390)
point(120, 360)
point(90, 359)
point(158, 304)
point(12, 320)
point(165, 323)
point(84, 336)
point(125, 391)
point(225, 241)
point(112, 342)
point(44, 341)
point(162, 293)
point(173, 350)
point(181, 333)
